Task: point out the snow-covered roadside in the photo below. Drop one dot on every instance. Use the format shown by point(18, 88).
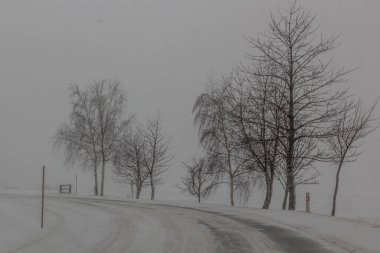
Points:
point(349, 235)
point(103, 226)
point(19, 222)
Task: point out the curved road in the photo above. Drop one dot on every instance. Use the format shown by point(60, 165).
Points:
point(101, 226)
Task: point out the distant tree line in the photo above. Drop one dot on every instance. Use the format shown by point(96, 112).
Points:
point(277, 116)
point(99, 136)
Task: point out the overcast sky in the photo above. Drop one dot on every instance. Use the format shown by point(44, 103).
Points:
point(163, 52)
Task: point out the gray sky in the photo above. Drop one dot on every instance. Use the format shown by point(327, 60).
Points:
point(163, 52)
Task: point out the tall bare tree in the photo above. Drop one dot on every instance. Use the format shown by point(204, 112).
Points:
point(128, 159)
point(304, 80)
point(96, 123)
point(79, 137)
point(199, 181)
point(349, 130)
point(256, 116)
point(156, 155)
point(109, 100)
point(216, 130)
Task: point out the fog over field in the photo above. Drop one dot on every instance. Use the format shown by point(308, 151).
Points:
point(163, 52)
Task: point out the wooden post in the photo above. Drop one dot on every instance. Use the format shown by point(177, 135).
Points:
point(76, 184)
point(43, 196)
point(308, 202)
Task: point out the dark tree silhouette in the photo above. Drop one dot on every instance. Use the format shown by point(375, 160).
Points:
point(199, 181)
point(349, 130)
point(156, 156)
point(304, 81)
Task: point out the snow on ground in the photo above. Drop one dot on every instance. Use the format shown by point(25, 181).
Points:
point(82, 225)
point(19, 223)
point(89, 224)
point(351, 235)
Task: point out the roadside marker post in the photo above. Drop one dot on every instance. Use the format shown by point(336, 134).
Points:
point(43, 196)
point(308, 202)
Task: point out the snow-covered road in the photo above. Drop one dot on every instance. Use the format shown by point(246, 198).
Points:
point(100, 226)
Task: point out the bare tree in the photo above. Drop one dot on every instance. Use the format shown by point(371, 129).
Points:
point(128, 159)
point(216, 130)
point(349, 129)
point(304, 81)
point(156, 155)
point(304, 175)
point(256, 116)
point(198, 181)
point(109, 100)
point(79, 135)
point(96, 124)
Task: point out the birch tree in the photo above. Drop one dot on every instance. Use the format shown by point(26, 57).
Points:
point(212, 115)
point(78, 137)
point(256, 116)
point(95, 125)
point(109, 100)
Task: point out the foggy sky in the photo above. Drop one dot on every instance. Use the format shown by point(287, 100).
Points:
point(163, 52)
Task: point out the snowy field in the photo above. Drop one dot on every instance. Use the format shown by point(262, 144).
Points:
point(111, 225)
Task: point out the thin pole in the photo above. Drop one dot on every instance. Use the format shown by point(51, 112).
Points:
point(43, 196)
point(76, 184)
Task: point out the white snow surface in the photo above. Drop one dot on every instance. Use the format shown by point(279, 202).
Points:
point(347, 234)
point(89, 224)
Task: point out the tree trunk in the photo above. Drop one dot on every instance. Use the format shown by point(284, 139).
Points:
point(291, 140)
point(290, 176)
point(269, 191)
point(138, 190)
point(96, 192)
point(152, 193)
point(292, 197)
point(152, 187)
point(285, 199)
point(199, 193)
point(232, 202)
point(131, 189)
point(102, 180)
point(336, 189)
